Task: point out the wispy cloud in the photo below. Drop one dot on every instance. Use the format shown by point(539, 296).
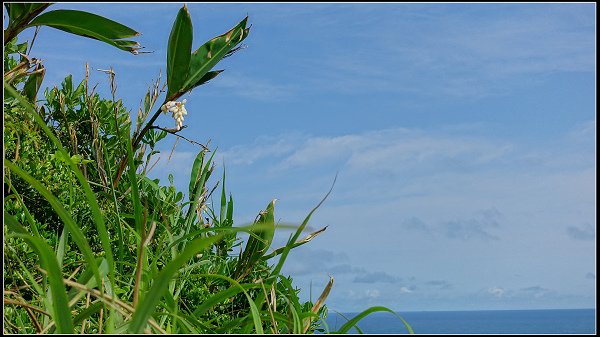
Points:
point(585, 232)
point(264, 147)
point(474, 228)
point(417, 225)
point(433, 50)
point(440, 284)
point(395, 150)
point(377, 277)
point(477, 227)
point(235, 83)
point(496, 291)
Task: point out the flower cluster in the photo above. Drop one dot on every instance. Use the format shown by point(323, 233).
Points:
point(177, 109)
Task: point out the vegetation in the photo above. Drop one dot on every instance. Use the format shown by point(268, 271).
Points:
point(91, 243)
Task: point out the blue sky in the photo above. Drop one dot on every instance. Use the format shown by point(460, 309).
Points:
point(463, 136)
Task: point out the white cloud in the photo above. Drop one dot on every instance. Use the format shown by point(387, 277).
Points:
point(264, 147)
point(405, 290)
point(394, 149)
point(496, 291)
point(373, 293)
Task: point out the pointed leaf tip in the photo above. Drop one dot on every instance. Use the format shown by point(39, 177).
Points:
point(178, 52)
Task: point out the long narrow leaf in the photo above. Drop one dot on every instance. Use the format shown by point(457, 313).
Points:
point(97, 216)
point(135, 195)
point(211, 52)
point(60, 304)
point(74, 229)
point(348, 325)
point(195, 175)
point(88, 25)
point(179, 51)
point(306, 239)
point(293, 239)
point(161, 282)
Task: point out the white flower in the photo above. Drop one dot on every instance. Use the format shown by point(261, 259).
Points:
point(177, 110)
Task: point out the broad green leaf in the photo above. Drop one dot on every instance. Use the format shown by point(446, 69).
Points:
point(60, 305)
point(17, 12)
point(211, 52)
point(178, 51)
point(84, 21)
point(89, 25)
point(207, 77)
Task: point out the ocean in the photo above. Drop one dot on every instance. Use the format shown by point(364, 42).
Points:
point(554, 321)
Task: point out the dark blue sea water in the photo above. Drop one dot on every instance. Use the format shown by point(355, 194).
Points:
point(556, 321)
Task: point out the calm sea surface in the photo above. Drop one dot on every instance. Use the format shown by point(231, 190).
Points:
point(559, 321)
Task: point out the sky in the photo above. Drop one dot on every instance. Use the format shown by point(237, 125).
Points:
point(462, 135)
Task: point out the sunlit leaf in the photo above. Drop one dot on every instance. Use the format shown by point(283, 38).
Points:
point(89, 25)
point(178, 51)
point(211, 52)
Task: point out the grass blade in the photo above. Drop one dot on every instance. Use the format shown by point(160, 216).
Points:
point(74, 229)
point(161, 282)
point(60, 304)
point(293, 239)
point(97, 216)
point(352, 322)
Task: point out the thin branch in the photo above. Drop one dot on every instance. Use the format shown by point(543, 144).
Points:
point(173, 149)
point(37, 29)
point(174, 132)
